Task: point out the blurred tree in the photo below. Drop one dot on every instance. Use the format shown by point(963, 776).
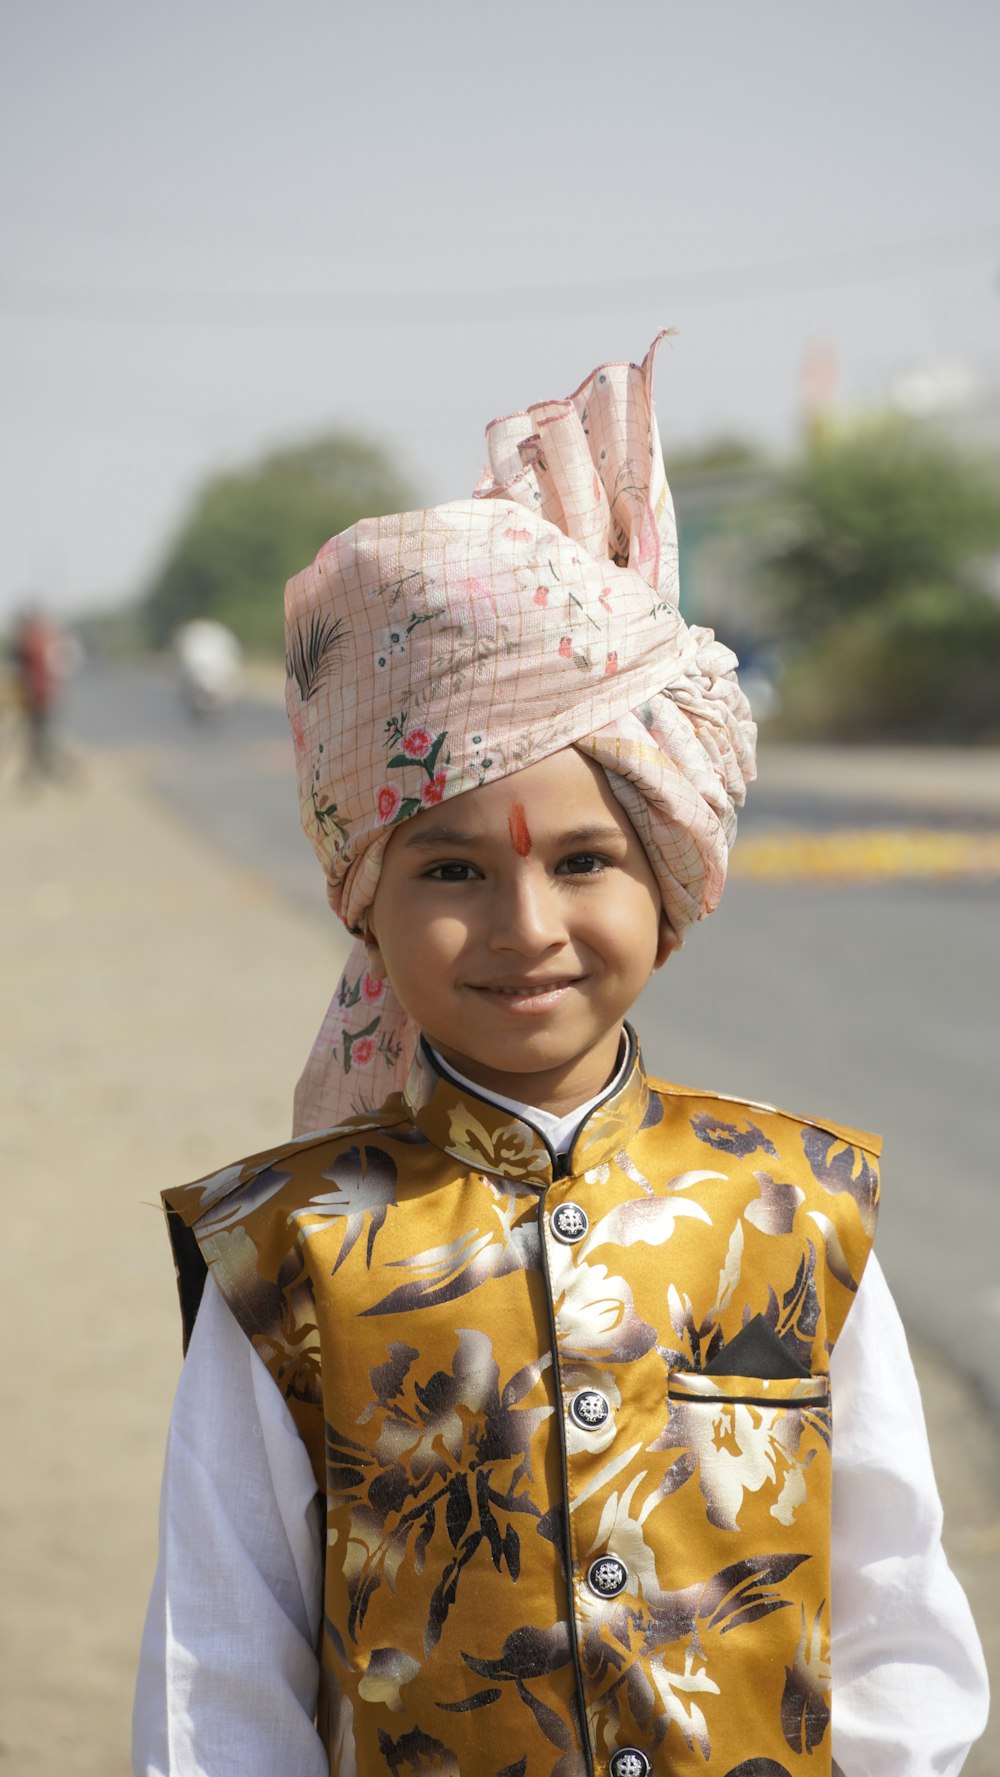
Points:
point(724, 453)
point(251, 529)
point(879, 575)
point(875, 511)
point(924, 666)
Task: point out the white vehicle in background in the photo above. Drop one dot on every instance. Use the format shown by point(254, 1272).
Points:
point(208, 658)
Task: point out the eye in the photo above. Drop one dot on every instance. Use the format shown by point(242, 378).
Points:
point(451, 871)
point(584, 863)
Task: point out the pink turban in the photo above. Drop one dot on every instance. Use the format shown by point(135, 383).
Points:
point(431, 652)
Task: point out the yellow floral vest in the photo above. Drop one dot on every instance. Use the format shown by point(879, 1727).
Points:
point(571, 1423)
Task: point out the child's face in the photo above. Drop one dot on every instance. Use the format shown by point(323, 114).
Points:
point(518, 923)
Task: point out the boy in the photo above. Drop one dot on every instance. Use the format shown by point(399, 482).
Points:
point(503, 1443)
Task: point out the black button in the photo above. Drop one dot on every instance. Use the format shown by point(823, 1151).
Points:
point(569, 1223)
point(589, 1409)
point(607, 1576)
point(628, 1761)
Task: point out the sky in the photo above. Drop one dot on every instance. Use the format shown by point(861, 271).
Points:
point(232, 225)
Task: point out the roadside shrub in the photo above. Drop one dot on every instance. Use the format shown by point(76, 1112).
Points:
point(923, 665)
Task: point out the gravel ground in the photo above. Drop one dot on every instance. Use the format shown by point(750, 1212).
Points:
point(157, 1004)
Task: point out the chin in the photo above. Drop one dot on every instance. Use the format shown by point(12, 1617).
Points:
point(535, 1054)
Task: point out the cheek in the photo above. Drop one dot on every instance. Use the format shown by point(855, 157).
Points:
point(633, 931)
point(423, 946)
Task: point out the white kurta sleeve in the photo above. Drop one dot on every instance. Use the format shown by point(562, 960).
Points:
point(228, 1672)
point(910, 1690)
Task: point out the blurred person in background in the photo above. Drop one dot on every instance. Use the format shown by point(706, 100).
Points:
point(208, 659)
point(41, 660)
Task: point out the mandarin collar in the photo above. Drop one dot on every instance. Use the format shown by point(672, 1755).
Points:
point(489, 1138)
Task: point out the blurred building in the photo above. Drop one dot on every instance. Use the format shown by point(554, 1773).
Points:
point(954, 397)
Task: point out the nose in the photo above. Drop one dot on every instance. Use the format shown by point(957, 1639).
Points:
point(526, 917)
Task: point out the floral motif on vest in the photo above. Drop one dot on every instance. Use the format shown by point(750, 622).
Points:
point(572, 1429)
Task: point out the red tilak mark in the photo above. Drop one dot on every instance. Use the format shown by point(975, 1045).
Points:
point(520, 838)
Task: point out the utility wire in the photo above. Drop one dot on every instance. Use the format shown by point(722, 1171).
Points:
point(709, 285)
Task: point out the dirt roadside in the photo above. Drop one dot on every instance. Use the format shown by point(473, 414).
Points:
point(156, 1007)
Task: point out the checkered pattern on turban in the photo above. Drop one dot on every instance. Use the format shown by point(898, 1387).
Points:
point(432, 652)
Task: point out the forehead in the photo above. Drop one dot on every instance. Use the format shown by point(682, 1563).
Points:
point(563, 791)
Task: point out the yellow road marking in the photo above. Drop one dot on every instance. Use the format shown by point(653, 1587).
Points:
point(867, 854)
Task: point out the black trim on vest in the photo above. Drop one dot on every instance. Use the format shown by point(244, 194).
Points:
point(625, 1067)
point(750, 1400)
point(574, 1642)
point(443, 1071)
point(191, 1271)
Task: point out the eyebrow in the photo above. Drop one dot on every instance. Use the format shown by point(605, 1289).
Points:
point(457, 836)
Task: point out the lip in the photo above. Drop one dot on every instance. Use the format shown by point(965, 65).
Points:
point(527, 998)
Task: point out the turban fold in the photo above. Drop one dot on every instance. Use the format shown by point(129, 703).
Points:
point(431, 652)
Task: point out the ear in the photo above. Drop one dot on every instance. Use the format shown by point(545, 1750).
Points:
point(666, 942)
point(376, 961)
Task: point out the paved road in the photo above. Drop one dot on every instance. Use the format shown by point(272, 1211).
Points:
point(873, 1005)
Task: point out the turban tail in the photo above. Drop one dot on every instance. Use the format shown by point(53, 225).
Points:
point(431, 652)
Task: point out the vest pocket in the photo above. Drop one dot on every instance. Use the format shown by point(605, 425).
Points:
point(747, 1516)
point(756, 1447)
point(749, 1391)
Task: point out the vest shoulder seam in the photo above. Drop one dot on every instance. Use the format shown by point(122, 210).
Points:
point(858, 1138)
point(301, 1144)
point(246, 1170)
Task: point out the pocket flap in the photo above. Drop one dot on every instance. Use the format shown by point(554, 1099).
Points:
point(749, 1391)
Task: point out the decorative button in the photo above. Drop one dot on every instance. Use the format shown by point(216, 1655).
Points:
point(569, 1223)
point(628, 1761)
point(589, 1409)
point(607, 1576)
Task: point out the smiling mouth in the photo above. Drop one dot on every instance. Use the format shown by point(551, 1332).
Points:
point(530, 998)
